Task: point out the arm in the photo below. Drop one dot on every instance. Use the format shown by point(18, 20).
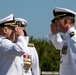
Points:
point(72, 52)
point(54, 36)
point(9, 48)
point(56, 40)
point(35, 68)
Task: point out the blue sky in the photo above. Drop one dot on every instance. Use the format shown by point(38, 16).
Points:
point(38, 13)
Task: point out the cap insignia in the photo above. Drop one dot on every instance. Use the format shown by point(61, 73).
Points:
point(58, 16)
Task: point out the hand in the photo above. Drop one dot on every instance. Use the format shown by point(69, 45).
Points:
point(19, 31)
point(53, 28)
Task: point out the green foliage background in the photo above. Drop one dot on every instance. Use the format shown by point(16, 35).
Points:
point(48, 55)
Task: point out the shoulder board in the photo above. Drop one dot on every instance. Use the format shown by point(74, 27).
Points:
point(71, 34)
point(30, 44)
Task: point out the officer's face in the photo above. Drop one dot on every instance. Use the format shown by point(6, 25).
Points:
point(60, 25)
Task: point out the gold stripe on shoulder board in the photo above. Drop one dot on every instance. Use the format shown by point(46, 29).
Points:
point(30, 44)
point(72, 34)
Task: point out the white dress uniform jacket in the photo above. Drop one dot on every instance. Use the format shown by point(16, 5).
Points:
point(68, 58)
point(35, 70)
point(10, 54)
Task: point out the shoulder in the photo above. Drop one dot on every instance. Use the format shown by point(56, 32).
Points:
point(5, 44)
point(5, 40)
point(73, 36)
point(30, 45)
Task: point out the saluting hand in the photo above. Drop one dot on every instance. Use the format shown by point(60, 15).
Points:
point(53, 28)
point(19, 31)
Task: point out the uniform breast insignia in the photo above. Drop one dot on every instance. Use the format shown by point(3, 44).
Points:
point(71, 34)
point(64, 49)
point(30, 45)
point(27, 58)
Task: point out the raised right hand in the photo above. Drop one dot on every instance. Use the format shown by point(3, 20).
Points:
point(19, 31)
point(53, 28)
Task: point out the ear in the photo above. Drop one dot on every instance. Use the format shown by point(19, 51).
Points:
point(5, 30)
point(66, 21)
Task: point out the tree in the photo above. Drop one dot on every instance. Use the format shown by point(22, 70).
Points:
point(48, 55)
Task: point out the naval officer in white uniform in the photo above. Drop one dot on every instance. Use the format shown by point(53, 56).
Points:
point(11, 52)
point(30, 58)
point(63, 21)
